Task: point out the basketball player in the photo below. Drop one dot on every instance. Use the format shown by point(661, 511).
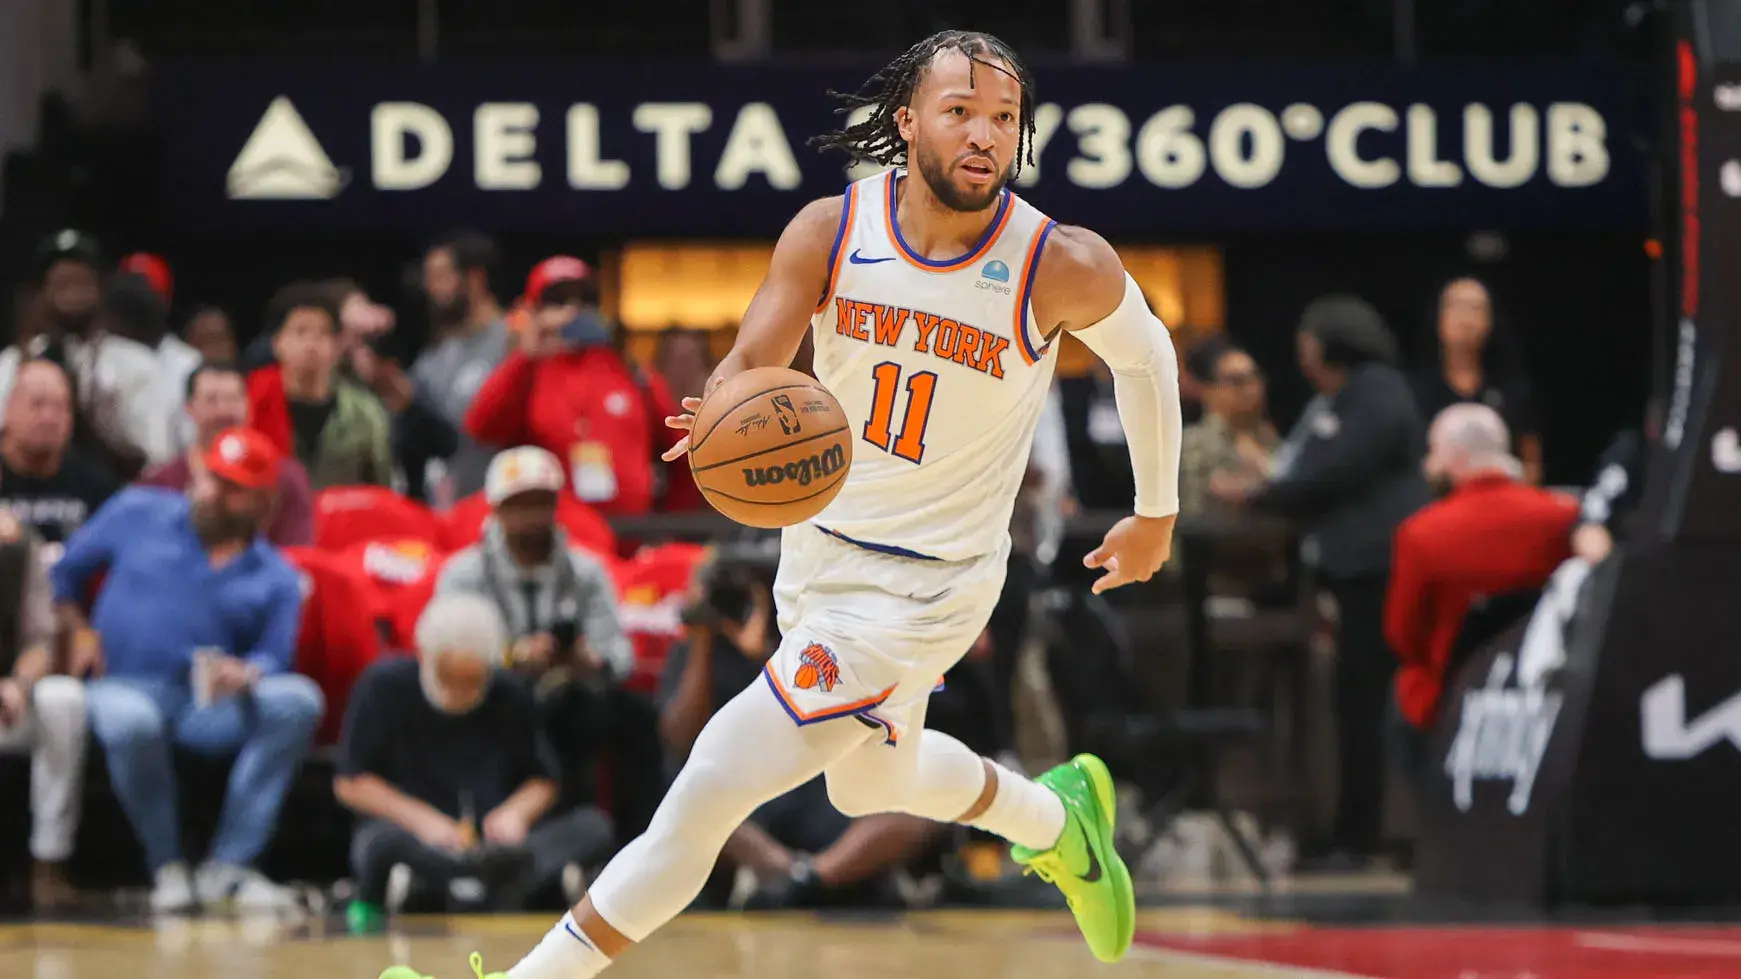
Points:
point(936, 297)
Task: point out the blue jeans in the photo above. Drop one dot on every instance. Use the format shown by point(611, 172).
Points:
point(270, 729)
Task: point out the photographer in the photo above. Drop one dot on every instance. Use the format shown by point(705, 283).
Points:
point(802, 851)
point(565, 637)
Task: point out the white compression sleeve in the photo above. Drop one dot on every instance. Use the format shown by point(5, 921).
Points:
point(1145, 370)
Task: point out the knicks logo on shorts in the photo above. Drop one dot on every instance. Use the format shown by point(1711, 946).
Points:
point(817, 669)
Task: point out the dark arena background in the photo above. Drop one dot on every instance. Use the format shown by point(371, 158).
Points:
point(400, 238)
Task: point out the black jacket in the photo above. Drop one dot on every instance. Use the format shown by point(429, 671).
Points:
point(1358, 472)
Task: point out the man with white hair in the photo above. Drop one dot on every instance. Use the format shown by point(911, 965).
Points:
point(1491, 535)
point(443, 762)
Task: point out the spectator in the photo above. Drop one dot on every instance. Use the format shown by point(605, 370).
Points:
point(421, 430)
point(443, 762)
point(1234, 435)
point(1350, 472)
point(116, 394)
point(561, 611)
point(193, 636)
point(1471, 357)
point(1491, 536)
point(210, 334)
point(176, 360)
point(336, 428)
point(802, 850)
point(40, 713)
point(217, 400)
point(469, 338)
point(45, 482)
point(686, 361)
point(568, 390)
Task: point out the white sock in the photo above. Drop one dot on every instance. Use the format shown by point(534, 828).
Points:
point(1023, 811)
point(564, 953)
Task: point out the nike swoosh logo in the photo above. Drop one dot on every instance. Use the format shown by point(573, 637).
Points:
point(578, 936)
point(856, 259)
point(1093, 874)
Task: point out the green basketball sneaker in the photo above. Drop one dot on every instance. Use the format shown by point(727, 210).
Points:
point(1083, 864)
point(406, 972)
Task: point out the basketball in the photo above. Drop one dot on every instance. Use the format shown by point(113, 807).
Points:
point(770, 447)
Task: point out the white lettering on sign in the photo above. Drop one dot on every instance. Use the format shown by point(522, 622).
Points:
point(587, 167)
point(672, 123)
point(1368, 145)
point(392, 126)
point(757, 144)
point(502, 145)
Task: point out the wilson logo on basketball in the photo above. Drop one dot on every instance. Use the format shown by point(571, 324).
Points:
point(801, 471)
point(817, 667)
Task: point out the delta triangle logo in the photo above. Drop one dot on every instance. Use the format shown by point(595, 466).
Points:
point(283, 161)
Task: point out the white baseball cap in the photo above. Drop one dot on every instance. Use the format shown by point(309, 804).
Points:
point(521, 470)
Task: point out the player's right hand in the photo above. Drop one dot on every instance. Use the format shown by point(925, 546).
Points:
point(682, 423)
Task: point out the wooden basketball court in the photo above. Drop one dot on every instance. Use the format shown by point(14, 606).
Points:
point(1177, 943)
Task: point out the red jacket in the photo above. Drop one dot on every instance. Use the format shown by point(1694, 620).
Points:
point(1490, 536)
point(402, 574)
point(596, 414)
point(269, 409)
point(338, 639)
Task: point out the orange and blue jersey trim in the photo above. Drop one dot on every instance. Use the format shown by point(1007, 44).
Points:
point(870, 719)
point(1031, 352)
point(998, 221)
point(848, 211)
point(801, 718)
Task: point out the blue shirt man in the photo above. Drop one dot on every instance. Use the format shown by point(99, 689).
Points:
point(192, 640)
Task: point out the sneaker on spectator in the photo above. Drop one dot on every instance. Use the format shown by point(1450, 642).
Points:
point(242, 888)
point(573, 883)
point(399, 881)
point(172, 892)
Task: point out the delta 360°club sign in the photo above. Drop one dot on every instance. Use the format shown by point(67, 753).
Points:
point(723, 150)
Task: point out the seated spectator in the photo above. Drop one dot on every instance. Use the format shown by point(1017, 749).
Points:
point(1233, 436)
point(192, 638)
point(444, 764)
point(586, 530)
point(802, 850)
point(46, 483)
point(1494, 534)
point(119, 401)
point(335, 427)
point(209, 333)
point(40, 713)
point(567, 389)
point(217, 400)
point(561, 611)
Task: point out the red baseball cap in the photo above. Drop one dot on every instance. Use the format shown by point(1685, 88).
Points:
point(245, 457)
point(155, 270)
point(556, 268)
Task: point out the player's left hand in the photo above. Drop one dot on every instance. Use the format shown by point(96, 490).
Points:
point(1134, 549)
point(682, 423)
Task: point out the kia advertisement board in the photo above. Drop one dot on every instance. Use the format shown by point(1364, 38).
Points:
point(694, 149)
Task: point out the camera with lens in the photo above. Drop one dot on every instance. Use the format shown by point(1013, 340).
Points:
point(729, 581)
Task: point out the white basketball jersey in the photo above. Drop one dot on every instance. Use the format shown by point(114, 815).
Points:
point(942, 373)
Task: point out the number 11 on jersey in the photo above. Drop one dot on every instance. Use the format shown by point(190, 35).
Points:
point(921, 387)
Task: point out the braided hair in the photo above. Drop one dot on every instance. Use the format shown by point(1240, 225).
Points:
point(878, 138)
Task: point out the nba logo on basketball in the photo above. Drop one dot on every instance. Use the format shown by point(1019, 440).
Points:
point(817, 667)
point(787, 414)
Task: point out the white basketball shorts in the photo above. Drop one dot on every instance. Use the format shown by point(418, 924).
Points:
point(866, 633)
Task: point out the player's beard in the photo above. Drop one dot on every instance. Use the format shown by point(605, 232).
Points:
point(936, 175)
